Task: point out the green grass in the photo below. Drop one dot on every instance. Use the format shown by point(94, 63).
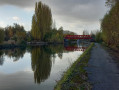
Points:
point(75, 78)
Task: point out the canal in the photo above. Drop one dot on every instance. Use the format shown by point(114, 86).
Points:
point(36, 68)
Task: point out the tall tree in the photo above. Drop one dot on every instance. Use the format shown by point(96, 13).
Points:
point(10, 31)
point(41, 21)
point(1, 35)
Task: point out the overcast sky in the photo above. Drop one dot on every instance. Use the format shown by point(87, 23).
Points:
point(73, 15)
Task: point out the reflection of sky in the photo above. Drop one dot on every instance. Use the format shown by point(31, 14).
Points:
point(61, 65)
point(23, 64)
point(19, 76)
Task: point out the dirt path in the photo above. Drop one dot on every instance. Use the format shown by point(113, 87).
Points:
point(103, 72)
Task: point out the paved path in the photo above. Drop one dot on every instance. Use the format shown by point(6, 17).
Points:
point(103, 71)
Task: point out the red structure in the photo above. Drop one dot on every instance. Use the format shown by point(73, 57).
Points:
point(77, 37)
point(75, 48)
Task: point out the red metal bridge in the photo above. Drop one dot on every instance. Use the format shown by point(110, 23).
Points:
point(78, 37)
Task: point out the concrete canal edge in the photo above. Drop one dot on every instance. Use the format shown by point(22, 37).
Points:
point(75, 78)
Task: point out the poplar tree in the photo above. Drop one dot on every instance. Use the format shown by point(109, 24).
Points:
point(1, 35)
point(41, 21)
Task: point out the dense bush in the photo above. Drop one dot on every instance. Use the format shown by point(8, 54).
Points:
point(110, 26)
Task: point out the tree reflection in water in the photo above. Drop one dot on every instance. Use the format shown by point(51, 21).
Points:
point(1, 58)
point(41, 64)
point(15, 53)
point(42, 61)
point(42, 58)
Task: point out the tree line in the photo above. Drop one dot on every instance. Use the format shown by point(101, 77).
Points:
point(110, 24)
point(109, 32)
point(15, 32)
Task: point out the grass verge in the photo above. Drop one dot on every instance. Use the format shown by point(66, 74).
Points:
point(75, 78)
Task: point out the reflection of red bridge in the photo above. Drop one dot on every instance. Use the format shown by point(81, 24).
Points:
point(77, 37)
point(75, 48)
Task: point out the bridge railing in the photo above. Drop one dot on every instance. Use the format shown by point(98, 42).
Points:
point(78, 37)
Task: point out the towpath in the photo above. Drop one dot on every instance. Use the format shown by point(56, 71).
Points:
point(103, 71)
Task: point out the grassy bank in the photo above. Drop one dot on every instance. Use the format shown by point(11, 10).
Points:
point(75, 78)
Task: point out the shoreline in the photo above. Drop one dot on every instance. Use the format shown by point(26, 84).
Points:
point(43, 43)
point(12, 46)
point(76, 76)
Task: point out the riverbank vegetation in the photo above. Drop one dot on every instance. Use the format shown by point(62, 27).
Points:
point(110, 25)
point(109, 33)
point(75, 78)
point(15, 34)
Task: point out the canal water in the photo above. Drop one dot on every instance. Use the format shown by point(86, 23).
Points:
point(36, 68)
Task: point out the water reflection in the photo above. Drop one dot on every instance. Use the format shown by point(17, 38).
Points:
point(82, 46)
point(75, 48)
point(42, 58)
point(41, 64)
point(1, 58)
point(16, 53)
point(42, 61)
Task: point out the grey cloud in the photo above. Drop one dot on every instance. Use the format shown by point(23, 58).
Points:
point(19, 3)
point(68, 11)
point(87, 10)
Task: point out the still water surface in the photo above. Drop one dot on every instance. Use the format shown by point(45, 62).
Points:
point(34, 68)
